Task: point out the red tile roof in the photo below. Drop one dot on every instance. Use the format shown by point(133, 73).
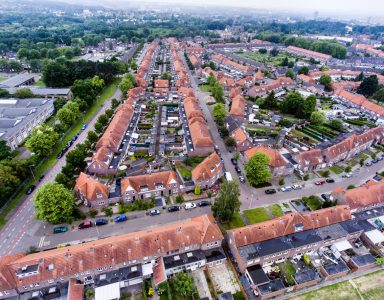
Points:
point(90, 187)
point(365, 195)
point(311, 158)
point(308, 53)
point(208, 168)
point(276, 159)
point(149, 180)
point(238, 106)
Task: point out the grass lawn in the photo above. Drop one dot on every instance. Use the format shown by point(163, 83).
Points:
point(371, 286)
point(236, 222)
point(267, 58)
point(51, 161)
point(39, 83)
point(313, 202)
point(339, 291)
point(287, 270)
point(276, 210)
point(352, 163)
point(257, 215)
point(2, 79)
point(336, 169)
point(184, 171)
point(362, 155)
point(307, 137)
point(205, 88)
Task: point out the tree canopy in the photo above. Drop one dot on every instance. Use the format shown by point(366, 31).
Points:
point(257, 169)
point(317, 118)
point(227, 203)
point(369, 86)
point(42, 140)
point(219, 113)
point(54, 203)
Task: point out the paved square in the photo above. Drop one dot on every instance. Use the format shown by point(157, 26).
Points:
point(223, 279)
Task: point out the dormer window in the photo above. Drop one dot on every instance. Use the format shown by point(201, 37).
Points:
point(299, 227)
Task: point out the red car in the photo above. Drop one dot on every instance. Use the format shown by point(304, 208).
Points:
point(320, 182)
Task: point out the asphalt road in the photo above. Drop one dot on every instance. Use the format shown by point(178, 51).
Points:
point(20, 231)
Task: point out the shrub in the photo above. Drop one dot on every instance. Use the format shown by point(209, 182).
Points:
point(92, 213)
point(281, 181)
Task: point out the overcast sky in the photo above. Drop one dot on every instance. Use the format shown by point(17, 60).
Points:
point(367, 7)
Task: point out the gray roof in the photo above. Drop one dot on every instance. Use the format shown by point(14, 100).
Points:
point(41, 91)
point(15, 113)
point(17, 80)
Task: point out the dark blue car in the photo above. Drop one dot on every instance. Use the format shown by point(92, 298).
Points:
point(121, 218)
point(100, 222)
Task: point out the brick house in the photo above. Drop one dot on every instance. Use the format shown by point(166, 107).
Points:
point(243, 142)
point(93, 192)
point(208, 171)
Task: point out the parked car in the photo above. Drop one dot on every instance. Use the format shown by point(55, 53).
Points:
point(368, 164)
point(241, 178)
point(60, 229)
point(101, 222)
point(238, 170)
point(173, 208)
point(60, 155)
point(330, 180)
point(320, 182)
point(286, 188)
point(30, 189)
point(41, 177)
point(204, 203)
point(85, 224)
point(379, 158)
point(325, 197)
point(234, 161)
point(270, 191)
point(84, 126)
point(347, 175)
point(190, 205)
point(154, 212)
point(297, 187)
point(375, 161)
point(120, 218)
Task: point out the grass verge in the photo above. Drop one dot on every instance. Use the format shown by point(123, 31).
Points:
point(276, 210)
point(51, 161)
point(257, 215)
point(236, 222)
point(336, 169)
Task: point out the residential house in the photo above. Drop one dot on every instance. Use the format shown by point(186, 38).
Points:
point(161, 88)
point(310, 160)
point(208, 171)
point(309, 54)
point(278, 164)
point(146, 186)
point(243, 142)
point(90, 190)
point(277, 85)
point(201, 137)
point(238, 108)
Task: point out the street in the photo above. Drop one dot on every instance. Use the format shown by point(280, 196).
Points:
point(20, 231)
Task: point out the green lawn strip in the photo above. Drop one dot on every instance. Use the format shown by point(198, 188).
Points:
point(276, 210)
point(184, 171)
point(2, 79)
point(362, 156)
point(236, 222)
point(257, 215)
point(50, 162)
point(314, 202)
point(287, 270)
point(336, 169)
point(352, 163)
point(39, 83)
point(339, 291)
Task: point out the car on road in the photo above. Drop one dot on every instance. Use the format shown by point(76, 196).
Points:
point(347, 175)
point(60, 229)
point(204, 203)
point(154, 212)
point(85, 224)
point(242, 179)
point(173, 208)
point(297, 187)
point(60, 155)
point(286, 188)
point(84, 126)
point(120, 218)
point(320, 182)
point(330, 180)
point(234, 161)
point(238, 170)
point(270, 191)
point(30, 189)
point(190, 205)
point(101, 222)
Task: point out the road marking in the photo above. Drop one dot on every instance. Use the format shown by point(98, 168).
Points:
point(41, 241)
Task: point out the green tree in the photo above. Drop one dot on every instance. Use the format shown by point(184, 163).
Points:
point(5, 150)
point(4, 93)
point(107, 211)
point(23, 93)
point(68, 114)
point(317, 118)
point(183, 284)
point(304, 70)
point(230, 142)
point(58, 103)
point(219, 113)
point(92, 213)
point(54, 203)
point(326, 80)
point(56, 74)
point(99, 127)
point(63, 179)
point(92, 137)
point(369, 86)
point(77, 156)
point(257, 169)
point(270, 101)
point(379, 95)
point(290, 73)
point(217, 91)
point(103, 119)
point(179, 199)
point(127, 83)
point(97, 83)
point(227, 202)
point(197, 189)
point(292, 103)
point(380, 261)
point(42, 140)
point(307, 107)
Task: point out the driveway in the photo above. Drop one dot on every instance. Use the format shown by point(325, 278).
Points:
point(201, 284)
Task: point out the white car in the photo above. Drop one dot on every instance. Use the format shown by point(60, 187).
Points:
point(189, 206)
point(297, 187)
point(286, 189)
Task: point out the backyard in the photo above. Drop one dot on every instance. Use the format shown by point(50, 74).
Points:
point(184, 172)
point(236, 222)
point(276, 210)
point(257, 215)
point(267, 58)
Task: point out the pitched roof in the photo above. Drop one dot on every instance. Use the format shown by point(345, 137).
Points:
point(361, 101)
point(148, 180)
point(238, 106)
point(239, 136)
point(208, 168)
point(201, 137)
point(365, 195)
point(305, 52)
point(114, 250)
point(90, 187)
point(276, 159)
point(161, 83)
point(285, 224)
point(311, 158)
